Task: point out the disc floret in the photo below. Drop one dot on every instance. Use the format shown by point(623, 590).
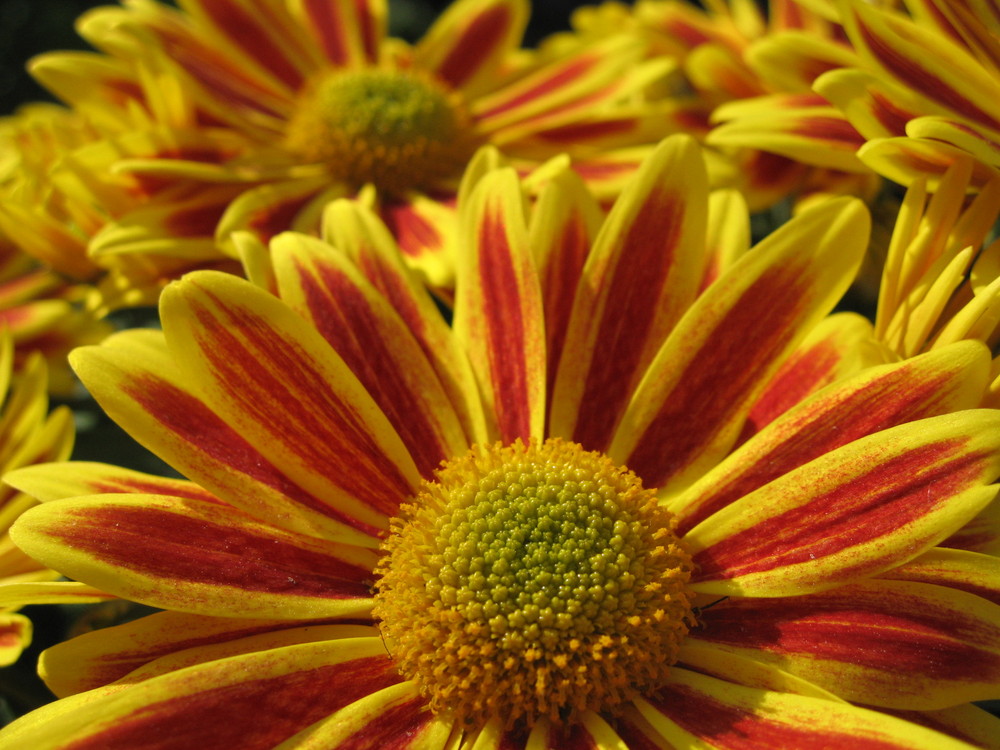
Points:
point(396, 129)
point(533, 581)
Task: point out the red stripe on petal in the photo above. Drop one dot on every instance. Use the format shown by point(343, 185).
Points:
point(393, 729)
point(623, 335)
point(250, 715)
point(336, 428)
point(575, 737)
point(832, 129)
point(505, 329)
point(194, 221)
point(892, 117)
point(346, 319)
point(560, 77)
point(173, 546)
point(863, 508)
point(727, 365)
point(276, 216)
point(873, 627)
point(415, 233)
point(632, 736)
point(559, 282)
point(194, 422)
point(486, 31)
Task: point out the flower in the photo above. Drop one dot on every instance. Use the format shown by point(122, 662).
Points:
point(349, 453)
point(743, 86)
point(29, 434)
point(925, 91)
point(236, 115)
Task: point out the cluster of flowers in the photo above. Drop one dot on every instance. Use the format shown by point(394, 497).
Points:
point(509, 389)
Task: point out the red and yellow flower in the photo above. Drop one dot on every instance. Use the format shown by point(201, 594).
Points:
point(397, 532)
point(254, 115)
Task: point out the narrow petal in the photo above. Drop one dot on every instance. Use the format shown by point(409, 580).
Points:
point(355, 230)
point(253, 357)
point(498, 307)
point(196, 557)
point(56, 481)
point(103, 656)
point(966, 722)
point(958, 569)
point(324, 286)
point(424, 227)
point(695, 710)
point(395, 717)
point(905, 160)
point(639, 279)
point(208, 705)
point(881, 643)
point(563, 225)
point(951, 379)
point(138, 384)
point(728, 236)
point(21, 594)
point(875, 107)
point(349, 33)
point(692, 402)
point(590, 732)
point(854, 512)
point(981, 534)
point(469, 42)
point(272, 208)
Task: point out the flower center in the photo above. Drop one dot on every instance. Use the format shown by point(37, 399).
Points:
point(528, 582)
point(395, 129)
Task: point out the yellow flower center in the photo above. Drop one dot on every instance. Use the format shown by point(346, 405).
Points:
point(533, 581)
point(396, 129)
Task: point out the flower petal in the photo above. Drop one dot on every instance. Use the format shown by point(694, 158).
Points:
point(590, 732)
point(469, 42)
point(394, 717)
point(958, 569)
point(63, 479)
point(355, 230)
point(103, 656)
point(691, 404)
point(322, 285)
point(138, 384)
point(905, 160)
point(23, 593)
point(15, 636)
point(854, 512)
point(947, 380)
point(348, 32)
point(882, 643)
point(209, 705)
point(196, 557)
point(253, 357)
point(966, 722)
point(640, 277)
point(498, 307)
point(695, 710)
point(424, 227)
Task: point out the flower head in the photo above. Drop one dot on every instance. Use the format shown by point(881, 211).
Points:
point(542, 525)
point(241, 117)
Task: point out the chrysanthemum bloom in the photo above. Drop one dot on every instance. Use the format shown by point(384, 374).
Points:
point(29, 434)
point(744, 86)
point(927, 91)
point(257, 114)
point(396, 533)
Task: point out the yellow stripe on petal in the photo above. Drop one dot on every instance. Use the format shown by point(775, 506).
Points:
point(214, 704)
point(56, 481)
point(498, 307)
point(857, 511)
point(895, 644)
point(695, 710)
point(196, 557)
point(591, 732)
point(21, 594)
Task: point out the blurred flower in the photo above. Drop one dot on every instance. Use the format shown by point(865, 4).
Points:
point(530, 591)
point(744, 87)
point(926, 88)
point(29, 434)
point(254, 117)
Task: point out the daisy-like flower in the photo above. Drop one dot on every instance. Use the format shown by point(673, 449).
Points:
point(396, 533)
point(253, 115)
point(744, 87)
point(29, 434)
point(926, 92)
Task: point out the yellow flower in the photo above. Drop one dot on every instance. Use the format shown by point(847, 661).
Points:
point(254, 115)
point(925, 91)
point(29, 434)
point(400, 533)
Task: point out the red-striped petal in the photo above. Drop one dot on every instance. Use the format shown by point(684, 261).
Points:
point(349, 33)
